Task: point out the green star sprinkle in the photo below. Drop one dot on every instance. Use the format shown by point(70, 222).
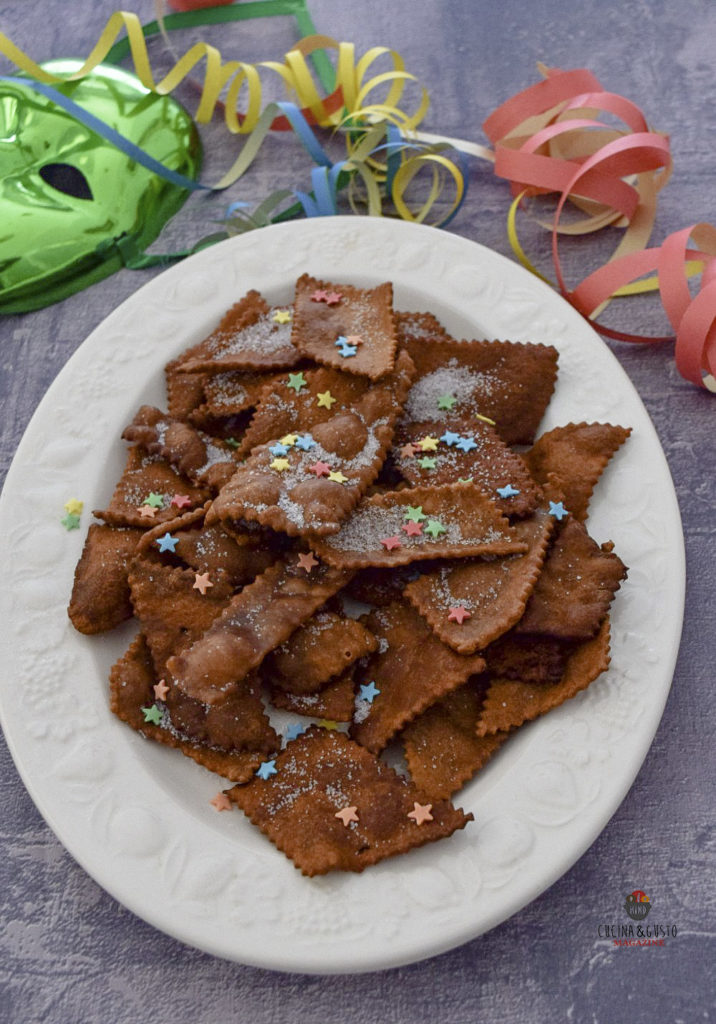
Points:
point(296, 381)
point(427, 463)
point(446, 401)
point(414, 513)
point(232, 442)
point(71, 521)
point(155, 500)
point(152, 714)
point(465, 479)
point(434, 528)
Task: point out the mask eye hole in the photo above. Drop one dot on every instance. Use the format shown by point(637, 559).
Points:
point(68, 179)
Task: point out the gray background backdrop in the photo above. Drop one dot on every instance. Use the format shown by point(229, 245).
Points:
point(69, 954)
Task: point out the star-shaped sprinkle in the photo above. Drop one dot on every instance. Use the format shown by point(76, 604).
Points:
point(466, 444)
point(155, 500)
point(167, 543)
point(147, 511)
point(320, 468)
point(282, 316)
point(391, 542)
point(347, 815)
point(557, 509)
point(307, 561)
point(508, 491)
point(280, 465)
point(412, 529)
point(354, 339)
point(305, 442)
point(181, 501)
point(74, 507)
point(319, 295)
point(289, 439)
point(328, 723)
point(293, 731)
point(369, 691)
point(231, 442)
point(337, 477)
point(446, 401)
point(465, 479)
point(427, 463)
point(450, 438)
point(347, 350)
point(221, 802)
point(279, 449)
point(434, 528)
point(333, 298)
point(267, 769)
point(325, 399)
point(161, 689)
point(408, 450)
point(458, 614)
point(152, 714)
point(428, 444)
point(202, 582)
point(296, 381)
point(421, 813)
point(414, 513)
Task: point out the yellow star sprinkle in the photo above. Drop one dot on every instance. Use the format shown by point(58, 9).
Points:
point(328, 723)
point(325, 399)
point(289, 439)
point(74, 507)
point(280, 464)
point(428, 444)
point(281, 316)
point(338, 477)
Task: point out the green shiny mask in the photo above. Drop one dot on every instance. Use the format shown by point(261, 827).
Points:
point(74, 208)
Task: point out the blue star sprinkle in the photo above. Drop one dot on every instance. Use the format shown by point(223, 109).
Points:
point(267, 769)
point(278, 449)
point(293, 731)
point(450, 438)
point(369, 692)
point(344, 347)
point(557, 509)
point(305, 442)
point(508, 491)
point(466, 444)
point(167, 542)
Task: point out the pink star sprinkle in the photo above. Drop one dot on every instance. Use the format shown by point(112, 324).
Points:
point(459, 614)
point(147, 511)
point(391, 542)
point(333, 298)
point(202, 582)
point(347, 814)
point(421, 813)
point(307, 561)
point(161, 690)
point(412, 529)
point(408, 450)
point(181, 501)
point(222, 803)
point(354, 339)
point(319, 296)
point(320, 468)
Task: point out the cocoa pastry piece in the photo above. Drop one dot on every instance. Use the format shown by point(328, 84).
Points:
point(323, 647)
point(380, 587)
point(256, 620)
point(529, 658)
point(100, 593)
point(399, 527)
point(510, 702)
point(419, 327)
point(350, 329)
point(132, 682)
point(242, 556)
point(466, 450)
point(308, 483)
point(335, 702)
point(205, 460)
point(231, 393)
point(250, 336)
point(148, 476)
point(322, 774)
point(469, 603)
point(411, 670)
point(441, 747)
point(509, 382)
point(185, 391)
point(575, 588)
point(576, 454)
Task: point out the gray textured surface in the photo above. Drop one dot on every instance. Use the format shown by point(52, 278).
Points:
point(70, 953)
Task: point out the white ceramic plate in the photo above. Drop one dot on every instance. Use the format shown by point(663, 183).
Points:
point(137, 816)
